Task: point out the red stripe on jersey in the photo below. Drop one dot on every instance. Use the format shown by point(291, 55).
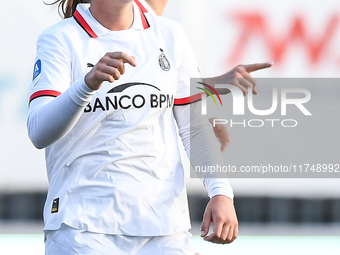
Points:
point(143, 10)
point(82, 22)
point(42, 93)
point(188, 100)
point(141, 6)
point(144, 20)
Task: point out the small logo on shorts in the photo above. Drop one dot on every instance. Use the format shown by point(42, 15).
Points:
point(163, 61)
point(55, 205)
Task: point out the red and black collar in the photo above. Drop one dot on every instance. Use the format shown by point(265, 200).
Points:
point(94, 29)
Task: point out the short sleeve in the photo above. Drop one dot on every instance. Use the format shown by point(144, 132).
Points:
point(52, 68)
point(187, 70)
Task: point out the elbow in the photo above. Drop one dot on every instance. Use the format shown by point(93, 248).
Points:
point(39, 146)
point(41, 138)
point(34, 135)
point(36, 141)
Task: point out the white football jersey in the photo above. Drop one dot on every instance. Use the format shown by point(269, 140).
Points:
point(118, 170)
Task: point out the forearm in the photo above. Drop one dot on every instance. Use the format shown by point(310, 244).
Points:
point(51, 119)
point(205, 153)
point(202, 149)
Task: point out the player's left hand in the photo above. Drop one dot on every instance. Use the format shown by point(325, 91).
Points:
point(221, 132)
point(221, 212)
point(239, 76)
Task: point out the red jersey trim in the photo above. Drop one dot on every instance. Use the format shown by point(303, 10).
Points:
point(43, 93)
point(144, 20)
point(82, 22)
point(143, 10)
point(141, 7)
point(189, 100)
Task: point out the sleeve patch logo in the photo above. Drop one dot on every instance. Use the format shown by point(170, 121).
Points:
point(37, 71)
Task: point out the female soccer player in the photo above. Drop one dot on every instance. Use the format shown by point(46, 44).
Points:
point(110, 83)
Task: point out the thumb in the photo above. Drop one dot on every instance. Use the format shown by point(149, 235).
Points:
point(206, 223)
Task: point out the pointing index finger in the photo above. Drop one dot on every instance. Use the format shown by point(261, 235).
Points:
point(125, 57)
point(257, 66)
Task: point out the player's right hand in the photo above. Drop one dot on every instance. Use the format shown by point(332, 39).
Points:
point(109, 68)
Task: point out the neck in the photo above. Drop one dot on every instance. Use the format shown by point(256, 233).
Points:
point(115, 15)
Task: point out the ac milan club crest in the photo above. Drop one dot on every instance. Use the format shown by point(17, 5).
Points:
point(163, 61)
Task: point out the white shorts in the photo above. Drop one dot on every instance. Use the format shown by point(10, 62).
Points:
point(70, 241)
